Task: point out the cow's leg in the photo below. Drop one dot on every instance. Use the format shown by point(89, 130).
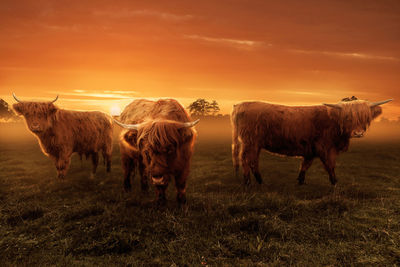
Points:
point(329, 162)
point(254, 166)
point(160, 193)
point(108, 163)
point(245, 166)
point(181, 191)
point(80, 157)
point(306, 164)
point(95, 162)
point(249, 158)
point(144, 181)
point(62, 165)
point(107, 153)
point(107, 160)
point(128, 165)
point(180, 184)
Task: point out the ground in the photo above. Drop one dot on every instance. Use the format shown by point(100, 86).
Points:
point(82, 221)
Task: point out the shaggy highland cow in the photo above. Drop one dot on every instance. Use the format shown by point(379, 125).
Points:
point(304, 131)
point(159, 141)
point(62, 132)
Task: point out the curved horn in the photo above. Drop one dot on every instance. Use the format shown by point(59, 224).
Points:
point(55, 99)
point(15, 97)
point(379, 103)
point(127, 126)
point(190, 123)
point(333, 105)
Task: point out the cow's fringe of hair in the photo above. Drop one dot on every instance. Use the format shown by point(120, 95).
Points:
point(160, 133)
point(34, 107)
point(352, 115)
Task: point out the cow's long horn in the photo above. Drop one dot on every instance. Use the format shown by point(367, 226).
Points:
point(55, 99)
point(15, 97)
point(379, 103)
point(190, 124)
point(127, 126)
point(333, 105)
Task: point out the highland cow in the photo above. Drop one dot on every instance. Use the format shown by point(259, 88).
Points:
point(62, 132)
point(303, 131)
point(158, 140)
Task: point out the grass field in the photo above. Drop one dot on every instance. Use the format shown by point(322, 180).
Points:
point(82, 222)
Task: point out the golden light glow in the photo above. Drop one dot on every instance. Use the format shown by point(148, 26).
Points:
point(115, 111)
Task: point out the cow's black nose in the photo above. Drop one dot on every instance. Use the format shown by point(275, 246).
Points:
point(157, 175)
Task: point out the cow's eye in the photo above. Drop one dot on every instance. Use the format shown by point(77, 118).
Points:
point(169, 149)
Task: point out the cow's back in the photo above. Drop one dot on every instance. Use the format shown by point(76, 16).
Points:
point(289, 130)
point(85, 131)
point(141, 110)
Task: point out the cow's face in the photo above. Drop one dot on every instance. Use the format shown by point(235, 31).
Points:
point(360, 130)
point(158, 145)
point(159, 161)
point(354, 116)
point(38, 116)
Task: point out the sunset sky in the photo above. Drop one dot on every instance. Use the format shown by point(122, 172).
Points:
point(103, 54)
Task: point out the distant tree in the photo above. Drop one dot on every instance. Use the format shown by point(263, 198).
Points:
point(199, 107)
point(202, 107)
point(5, 112)
point(214, 108)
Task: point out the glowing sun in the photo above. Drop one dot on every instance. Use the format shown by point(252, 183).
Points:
point(115, 111)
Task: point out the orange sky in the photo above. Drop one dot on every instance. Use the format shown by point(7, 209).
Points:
point(100, 54)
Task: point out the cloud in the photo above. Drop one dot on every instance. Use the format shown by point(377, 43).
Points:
point(346, 55)
point(144, 13)
point(243, 44)
point(108, 94)
point(307, 93)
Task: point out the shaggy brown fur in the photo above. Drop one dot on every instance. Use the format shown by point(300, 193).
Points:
point(62, 132)
point(304, 131)
point(160, 148)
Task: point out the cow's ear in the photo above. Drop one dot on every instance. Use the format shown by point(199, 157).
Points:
point(186, 134)
point(131, 138)
point(52, 108)
point(376, 111)
point(18, 108)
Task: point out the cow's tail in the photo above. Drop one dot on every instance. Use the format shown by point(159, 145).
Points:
point(235, 142)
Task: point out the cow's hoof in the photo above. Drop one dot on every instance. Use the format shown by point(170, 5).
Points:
point(161, 202)
point(127, 188)
point(181, 199)
point(301, 181)
point(333, 182)
point(259, 179)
